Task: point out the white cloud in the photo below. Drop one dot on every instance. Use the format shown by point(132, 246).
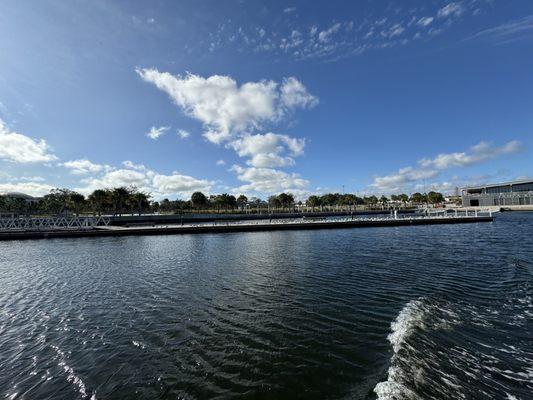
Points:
point(289, 10)
point(268, 180)
point(182, 133)
point(425, 21)
point(268, 150)
point(403, 177)
point(35, 189)
point(295, 95)
point(177, 183)
point(84, 166)
point(221, 162)
point(155, 133)
point(132, 165)
point(225, 108)
point(509, 31)
point(146, 180)
point(429, 168)
point(481, 152)
point(394, 30)
point(325, 35)
point(451, 9)
point(15, 147)
point(117, 178)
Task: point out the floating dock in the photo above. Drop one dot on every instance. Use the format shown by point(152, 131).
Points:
point(245, 226)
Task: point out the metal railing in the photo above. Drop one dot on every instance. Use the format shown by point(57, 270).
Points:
point(51, 223)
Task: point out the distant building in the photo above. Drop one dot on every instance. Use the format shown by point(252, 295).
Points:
point(502, 194)
point(20, 196)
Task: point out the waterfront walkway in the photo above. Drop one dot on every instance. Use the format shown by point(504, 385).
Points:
point(246, 226)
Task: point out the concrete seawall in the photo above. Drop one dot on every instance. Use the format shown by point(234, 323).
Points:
point(241, 227)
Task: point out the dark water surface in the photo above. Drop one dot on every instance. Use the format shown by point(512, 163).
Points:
point(427, 312)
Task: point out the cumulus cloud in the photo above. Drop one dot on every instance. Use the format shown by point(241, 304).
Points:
point(147, 180)
point(221, 162)
point(155, 133)
point(268, 180)
point(429, 168)
point(226, 109)
point(15, 147)
point(84, 166)
point(268, 150)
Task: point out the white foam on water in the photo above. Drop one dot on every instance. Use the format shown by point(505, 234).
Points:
point(71, 376)
point(410, 317)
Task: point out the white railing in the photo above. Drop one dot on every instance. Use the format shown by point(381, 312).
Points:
point(51, 223)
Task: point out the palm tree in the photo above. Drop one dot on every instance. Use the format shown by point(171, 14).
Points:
point(140, 200)
point(313, 201)
point(242, 200)
point(119, 197)
point(97, 199)
point(198, 200)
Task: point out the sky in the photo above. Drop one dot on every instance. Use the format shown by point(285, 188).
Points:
point(256, 98)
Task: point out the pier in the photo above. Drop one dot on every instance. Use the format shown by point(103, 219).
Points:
point(102, 228)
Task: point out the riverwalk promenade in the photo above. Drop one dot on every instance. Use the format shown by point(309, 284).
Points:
point(244, 226)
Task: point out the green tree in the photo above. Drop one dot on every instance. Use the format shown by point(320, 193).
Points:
point(140, 200)
point(98, 200)
point(119, 198)
point(313, 201)
point(199, 200)
point(383, 200)
point(274, 201)
point(435, 197)
point(418, 198)
point(77, 202)
point(286, 199)
point(242, 201)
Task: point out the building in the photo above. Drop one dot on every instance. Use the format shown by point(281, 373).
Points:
point(20, 196)
point(515, 193)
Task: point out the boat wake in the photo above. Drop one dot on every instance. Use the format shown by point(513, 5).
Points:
point(452, 349)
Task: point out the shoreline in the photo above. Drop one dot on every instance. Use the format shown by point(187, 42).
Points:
point(235, 227)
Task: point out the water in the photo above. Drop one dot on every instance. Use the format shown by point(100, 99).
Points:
point(424, 312)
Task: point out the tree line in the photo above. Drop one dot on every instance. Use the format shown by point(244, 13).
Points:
point(130, 200)
point(118, 200)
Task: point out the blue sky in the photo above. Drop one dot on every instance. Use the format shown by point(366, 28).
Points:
point(262, 97)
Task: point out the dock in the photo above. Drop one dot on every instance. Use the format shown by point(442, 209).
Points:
point(106, 230)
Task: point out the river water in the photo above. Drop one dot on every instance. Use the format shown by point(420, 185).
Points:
point(423, 312)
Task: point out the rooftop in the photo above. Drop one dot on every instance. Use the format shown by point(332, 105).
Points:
point(520, 182)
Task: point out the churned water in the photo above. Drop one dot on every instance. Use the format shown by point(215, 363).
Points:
point(424, 312)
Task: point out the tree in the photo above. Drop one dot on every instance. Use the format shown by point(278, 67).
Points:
point(383, 200)
point(403, 198)
point(435, 197)
point(77, 202)
point(274, 201)
point(313, 201)
point(286, 199)
point(417, 198)
point(58, 201)
point(198, 200)
point(119, 198)
point(242, 200)
point(98, 200)
point(140, 200)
